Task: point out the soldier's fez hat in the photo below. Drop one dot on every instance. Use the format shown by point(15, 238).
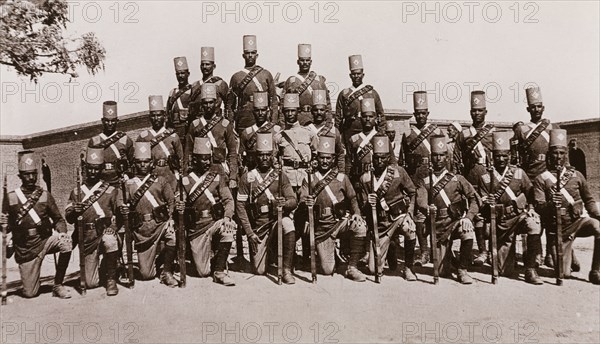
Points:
point(155, 103)
point(142, 151)
point(264, 142)
point(502, 140)
point(438, 144)
point(202, 145)
point(27, 161)
point(109, 109)
point(94, 156)
point(326, 145)
point(558, 138)
point(381, 144)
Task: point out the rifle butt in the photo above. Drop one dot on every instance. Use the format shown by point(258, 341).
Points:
point(82, 275)
point(280, 245)
point(311, 239)
point(4, 247)
point(181, 242)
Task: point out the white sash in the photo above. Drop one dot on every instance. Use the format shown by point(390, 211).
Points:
point(334, 199)
point(34, 216)
point(88, 193)
point(256, 82)
point(112, 146)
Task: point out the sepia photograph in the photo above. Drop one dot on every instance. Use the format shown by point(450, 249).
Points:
point(300, 171)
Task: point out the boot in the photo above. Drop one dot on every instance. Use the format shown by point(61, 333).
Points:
point(166, 277)
point(59, 290)
point(482, 258)
point(424, 257)
point(483, 255)
point(392, 255)
point(465, 261)
point(575, 265)
point(534, 248)
point(595, 273)
point(550, 252)
point(595, 276)
point(289, 245)
point(111, 259)
point(357, 247)
point(531, 276)
point(220, 262)
point(409, 258)
point(464, 277)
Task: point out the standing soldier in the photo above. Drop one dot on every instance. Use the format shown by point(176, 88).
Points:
point(305, 83)
point(209, 212)
point(179, 101)
point(391, 190)
point(332, 197)
point(117, 146)
point(360, 146)
point(454, 208)
point(509, 192)
point(151, 203)
point(165, 144)
point(323, 126)
point(581, 218)
point(453, 130)
point(348, 108)
point(31, 213)
point(532, 139)
point(248, 137)
point(259, 194)
point(98, 206)
point(390, 131)
point(207, 67)
point(252, 78)
point(473, 147)
point(214, 126)
point(414, 157)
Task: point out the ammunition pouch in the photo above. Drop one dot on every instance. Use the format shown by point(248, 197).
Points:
point(99, 224)
point(161, 163)
point(43, 229)
point(457, 209)
point(122, 166)
point(161, 213)
point(338, 211)
point(189, 217)
point(398, 208)
point(219, 154)
point(217, 211)
point(174, 162)
point(135, 220)
point(575, 210)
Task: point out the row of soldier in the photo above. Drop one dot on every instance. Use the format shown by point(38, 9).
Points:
point(262, 175)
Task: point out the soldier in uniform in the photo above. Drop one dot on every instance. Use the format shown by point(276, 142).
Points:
point(117, 146)
point(260, 192)
point(248, 137)
point(179, 101)
point(207, 67)
point(31, 213)
point(581, 218)
point(151, 204)
point(98, 203)
point(453, 130)
point(323, 126)
point(252, 78)
point(454, 206)
point(214, 126)
point(332, 198)
point(360, 146)
point(305, 83)
point(391, 190)
point(209, 211)
point(348, 108)
point(532, 142)
point(165, 144)
point(509, 192)
point(414, 157)
point(473, 147)
point(390, 131)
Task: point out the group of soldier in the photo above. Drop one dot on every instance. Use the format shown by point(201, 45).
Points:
point(224, 160)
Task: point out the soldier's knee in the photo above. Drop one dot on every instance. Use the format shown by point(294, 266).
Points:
point(110, 243)
point(287, 224)
point(328, 267)
point(29, 293)
point(467, 236)
point(203, 271)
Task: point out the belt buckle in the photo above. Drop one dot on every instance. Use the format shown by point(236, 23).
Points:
point(89, 226)
point(296, 164)
point(147, 217)
point(108, 166)
point(326, 211)
point(264, 209)
point(31, 231)
point(205, 213)
point(424, 160)
point(542, 157)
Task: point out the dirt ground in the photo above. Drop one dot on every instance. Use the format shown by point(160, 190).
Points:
point(331, 311)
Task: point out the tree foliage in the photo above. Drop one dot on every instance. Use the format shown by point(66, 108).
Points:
point(32, 42)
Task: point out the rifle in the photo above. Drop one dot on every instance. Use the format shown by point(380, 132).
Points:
point(375, 233)
point(4, 239)
point(311, 231)
point(280, 228)
point(493, 244)
point(432, 229)
point(181, 240)
point(559, 249)
point(80, 236)
point(128, 237)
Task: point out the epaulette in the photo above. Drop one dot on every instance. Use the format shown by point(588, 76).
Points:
point(276, 128)
point(486, 178)
point(355, 137)
point(225, 122)
point(518, 173)
point(546, 175)
point(110, 189)
point(322, 78)
point(292, 79)
point(217, 178)
point(172, 92)
point(466, 133)
point(123, 139)
point(12, 198)
point(96, 140)
point(248, 130)
point(341, 176)
point(130, 182)
point(196, 122)
point(185, 181)
point(250, 177)
point(144, 133)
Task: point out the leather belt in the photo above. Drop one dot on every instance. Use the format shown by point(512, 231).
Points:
point(204, 214)
point(147, 217)
point(264, 209)
point(89, 226)
point(295, 164)
point(480, 161)
point(326, 211)
point(442, 213)
point(161, 162)
point(32, 231)
point(216, 160)
point(109, 166)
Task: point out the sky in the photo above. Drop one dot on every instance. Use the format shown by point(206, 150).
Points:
point(445, 48)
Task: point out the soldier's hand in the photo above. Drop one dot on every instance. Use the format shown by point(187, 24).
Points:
point(3, 219)
point(309, 200)
point(110, 231)
point(372, 198)
point(124, 209)
point(78, 207)
point(180, 206)
point(557, 198)
point(254, 241)
point(466, 225)
point(233, 184)
point(490, 199)
point(280, 201)
point(228, 225)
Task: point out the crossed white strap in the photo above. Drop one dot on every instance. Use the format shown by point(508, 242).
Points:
point(366, 138)
point(334, 199)
point(302, 79)
point(210, 135)
point(147, 194)
point(34, 216)
point(563, 191)
point(198, 181)
point(179, 103)
point(378, 182)
point(313, 128)
point(90, 192)
point(354, 90)
point(507, 189)
point(425, 142)
point(442, 193)
point(254, 79)
point(161, 144)
point(533, 126)
point(113, 147)
point(260, 180)
point(479, 145)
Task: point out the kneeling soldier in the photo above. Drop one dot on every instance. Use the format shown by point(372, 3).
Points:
point(332, 198)
point(151, 201)
point(390, 188)
point(574, 195)
point(454, 207)
point(208, 214)
point(96, 202)
point(508, 192)
point(32, 214)
point(261, 191)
